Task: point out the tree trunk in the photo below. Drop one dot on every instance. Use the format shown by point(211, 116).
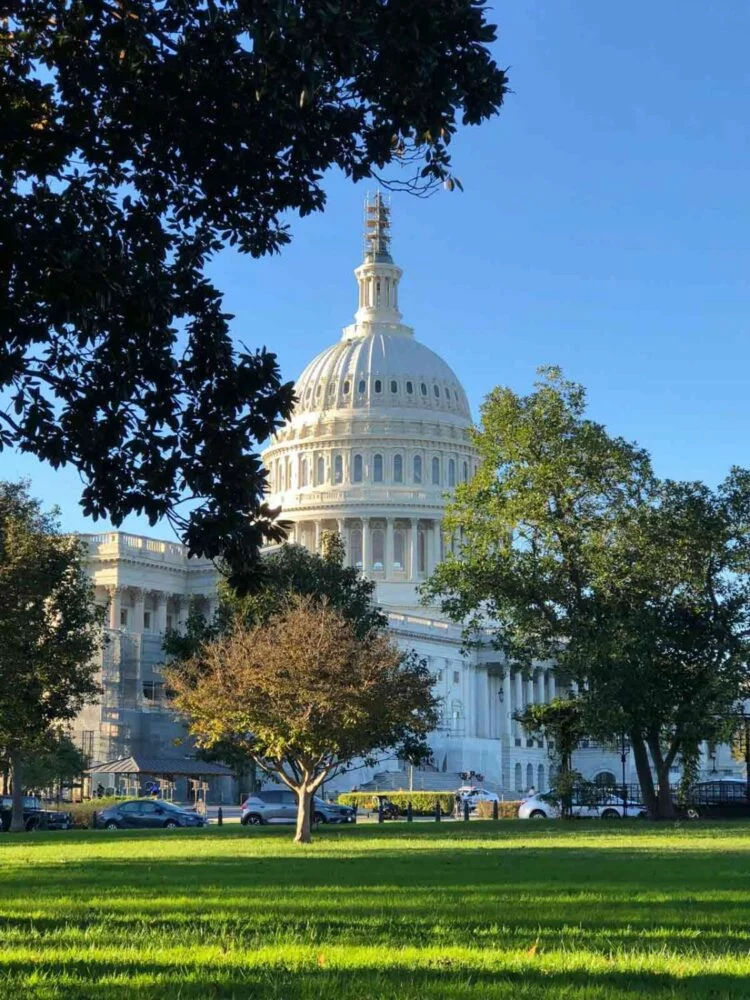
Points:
point(664, 804)
point(16, 819)
point(645, 778)
point(304, 815)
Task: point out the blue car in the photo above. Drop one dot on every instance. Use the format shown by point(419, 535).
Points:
point(143, 814)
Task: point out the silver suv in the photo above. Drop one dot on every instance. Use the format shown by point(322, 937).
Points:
point(280, 806)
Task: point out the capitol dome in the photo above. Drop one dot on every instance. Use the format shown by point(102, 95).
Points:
point(379, 437)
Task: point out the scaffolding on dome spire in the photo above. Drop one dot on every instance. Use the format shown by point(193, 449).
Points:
point(377, 230)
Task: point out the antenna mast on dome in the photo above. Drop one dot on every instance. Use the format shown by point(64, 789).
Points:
point(377, 230)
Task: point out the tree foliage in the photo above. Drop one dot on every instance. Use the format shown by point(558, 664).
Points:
point(140, 137)
point(638, 588)
point(561, 722)
point(304, 694)
point(49, 628)
point(55, 761)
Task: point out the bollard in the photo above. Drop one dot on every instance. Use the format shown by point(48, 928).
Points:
point(466, 811)
point(437, 810)
point(409, 814)
point(220, 817)
point(93, 820)
point(381, 817)
point(495, 810)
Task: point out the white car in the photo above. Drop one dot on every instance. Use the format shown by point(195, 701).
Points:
point(611, 807)
point(475, 795)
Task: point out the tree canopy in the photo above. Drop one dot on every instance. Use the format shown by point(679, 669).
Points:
point(50, 629)
point(141, 137)
point(305, 693)
point(638, 588)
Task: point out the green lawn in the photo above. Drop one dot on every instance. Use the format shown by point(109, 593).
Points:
point(481, 911)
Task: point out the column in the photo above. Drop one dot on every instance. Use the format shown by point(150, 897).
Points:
point(115, 594)
point(491, 703)
point(541, 699)
point(365, 544)
point(519, 706)
point(507, 705)
point(530, 689)
point(340, 527)
point(413, 548)
point(436, 554)
point(139, 606)
point(552, 688)
point(388, 548)
point(161, 611)
point(317, 536)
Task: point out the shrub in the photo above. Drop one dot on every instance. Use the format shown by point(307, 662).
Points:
point(505, 810)
point(422, 803)
point(83, 812)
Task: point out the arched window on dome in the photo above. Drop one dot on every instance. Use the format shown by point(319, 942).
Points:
point(320, 473)
point(303, 472)
point(417, 468)
point(378, 385)
point(394, 385)
point(361, 387)
point(338, 469)
point(398, 469)
point(436, 472)
point(377, 469)
point(451, 472)
point(466, 472)
point(357, 469)
point(355, 542)
point(347, 386)
point(423, 388)
point(409, 388)
point(447, 393)
point(436, 390)
point(398, 549)
point(378, 549)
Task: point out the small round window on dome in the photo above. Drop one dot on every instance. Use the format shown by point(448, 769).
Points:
point(378, 385)
point(436, 389)
point(410, 387)
point(347, 387)
point(423, 388)
point(361, 387)
point(394, 386)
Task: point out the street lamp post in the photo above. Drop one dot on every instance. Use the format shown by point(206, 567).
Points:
point(623, 760)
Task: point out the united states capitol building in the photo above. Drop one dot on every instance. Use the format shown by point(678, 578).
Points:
point(379, 438)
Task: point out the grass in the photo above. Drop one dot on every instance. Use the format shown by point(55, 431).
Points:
point(474, 912)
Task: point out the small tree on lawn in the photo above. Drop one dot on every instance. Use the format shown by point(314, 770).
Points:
point(50, 629)
point(304, 694)
point(561, 722)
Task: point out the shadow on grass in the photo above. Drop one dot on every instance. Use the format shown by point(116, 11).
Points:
point(84, 980)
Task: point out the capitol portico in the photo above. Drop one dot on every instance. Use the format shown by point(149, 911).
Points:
point(379, 439)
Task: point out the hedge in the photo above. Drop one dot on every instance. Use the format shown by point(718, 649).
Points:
point(422, 803)
point(506, 810)
point(83, 812)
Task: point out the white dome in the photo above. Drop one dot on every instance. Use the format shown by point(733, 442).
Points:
point(382, 370)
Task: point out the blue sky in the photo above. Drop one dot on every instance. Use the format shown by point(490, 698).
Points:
point(603, 227)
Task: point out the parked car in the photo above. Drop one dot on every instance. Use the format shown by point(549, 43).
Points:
point(611, 806)
point(280, 806)
point(476, 795)
point(35, 816)
point(143, 814)
point(724, 798)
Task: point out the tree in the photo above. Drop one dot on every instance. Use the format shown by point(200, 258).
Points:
point(50, 630)
point(139, 138)
point(55, 761)
point(304, 694)
point(561, 721)
point(572, 550)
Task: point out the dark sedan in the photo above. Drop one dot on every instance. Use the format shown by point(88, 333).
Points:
point(143, 814)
